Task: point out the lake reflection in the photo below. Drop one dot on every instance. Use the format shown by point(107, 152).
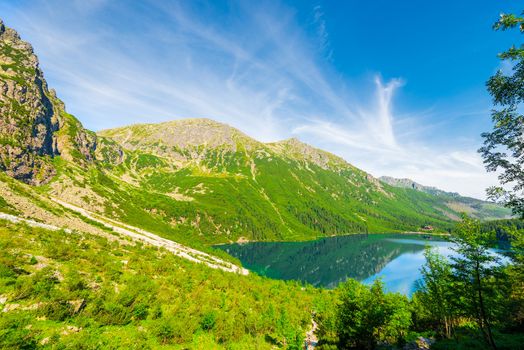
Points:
point(329, 261)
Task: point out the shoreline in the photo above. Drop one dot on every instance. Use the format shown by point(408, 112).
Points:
point(243, 240)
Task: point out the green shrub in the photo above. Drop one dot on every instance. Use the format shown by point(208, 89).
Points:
point(208, 321)
point(140, 311)
point(57, 310)
point(33, 260)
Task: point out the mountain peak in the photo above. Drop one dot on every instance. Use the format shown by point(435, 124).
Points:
point(297, 149)
point(408, 183)
point(34, 125)
point(183, 134)
point(291, 141)
point(11, 37)
point(196, 135)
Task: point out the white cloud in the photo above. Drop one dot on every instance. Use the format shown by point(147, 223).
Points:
point(115, 64)
point(385, 116)
point(374, 145)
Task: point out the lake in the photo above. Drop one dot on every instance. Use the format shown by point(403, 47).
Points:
point(329, 261)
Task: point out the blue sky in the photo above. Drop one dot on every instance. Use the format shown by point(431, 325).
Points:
point(394, 87)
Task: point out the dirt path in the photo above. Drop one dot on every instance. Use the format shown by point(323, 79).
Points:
point(311, 339)
point(138, 234)
point(16, 219)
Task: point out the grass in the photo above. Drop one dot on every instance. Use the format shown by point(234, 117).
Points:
point(84, 291)
point(285, 201)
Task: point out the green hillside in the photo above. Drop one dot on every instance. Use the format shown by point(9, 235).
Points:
point(106, 240)
point(62, 290)
point(196, 180)
point(214, 174)
point(481, 209)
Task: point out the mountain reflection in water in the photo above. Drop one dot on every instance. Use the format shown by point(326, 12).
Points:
point(329, 261)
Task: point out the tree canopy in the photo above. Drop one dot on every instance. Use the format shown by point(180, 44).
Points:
point(503, 148)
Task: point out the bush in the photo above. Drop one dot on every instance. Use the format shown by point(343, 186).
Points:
point(366, 317)
point(140, 311)
point(14, 333)
point(208, 321)
point(165, 331)
point(58, 310)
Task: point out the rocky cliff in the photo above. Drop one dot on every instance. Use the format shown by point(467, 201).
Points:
point(34, 126)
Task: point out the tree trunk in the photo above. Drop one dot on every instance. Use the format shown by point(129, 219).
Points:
point(484, 320)
point(447, 325)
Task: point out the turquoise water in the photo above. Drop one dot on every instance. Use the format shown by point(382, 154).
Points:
point(402, 273)
point(329, 261)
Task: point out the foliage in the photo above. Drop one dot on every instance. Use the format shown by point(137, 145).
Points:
point(436, 293)
point(88, 292)
point(366, 316)
point(472, 300)
point(503, 148)
point(504, 230)
point(476, 271)
point(515, 278)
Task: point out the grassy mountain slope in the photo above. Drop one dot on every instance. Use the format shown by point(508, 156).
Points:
point(61, 290)
point(195, 181)
point(235, 186)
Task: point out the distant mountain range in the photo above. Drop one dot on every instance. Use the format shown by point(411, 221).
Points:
point(195, 180)
point(472, 206)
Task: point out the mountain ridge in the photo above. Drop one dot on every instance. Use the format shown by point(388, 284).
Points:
point(408, 183)
point(35, 126)
point(194, 133)
point(469, 205)
point(196, 181)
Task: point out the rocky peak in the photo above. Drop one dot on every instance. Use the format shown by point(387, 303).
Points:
point(186, 138)
point(408, 183)
point(296, 149)
point(10, 35)
point(34, 126)
point(403, 183)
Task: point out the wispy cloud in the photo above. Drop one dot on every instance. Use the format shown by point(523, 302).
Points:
point(252, 66)
point(383, 124)
point(376, 140)
point(322, 32)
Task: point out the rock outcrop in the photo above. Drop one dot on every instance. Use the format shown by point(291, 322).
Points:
point(28, 119)
point(181, 139)
point(34, 126)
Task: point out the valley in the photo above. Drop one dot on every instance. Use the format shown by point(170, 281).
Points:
point(191, 234)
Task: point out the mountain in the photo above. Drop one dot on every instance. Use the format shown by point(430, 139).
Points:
point(107, 238)
point(196, 181)
point(35, 127)
point(357, 256)
point(475, 207)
